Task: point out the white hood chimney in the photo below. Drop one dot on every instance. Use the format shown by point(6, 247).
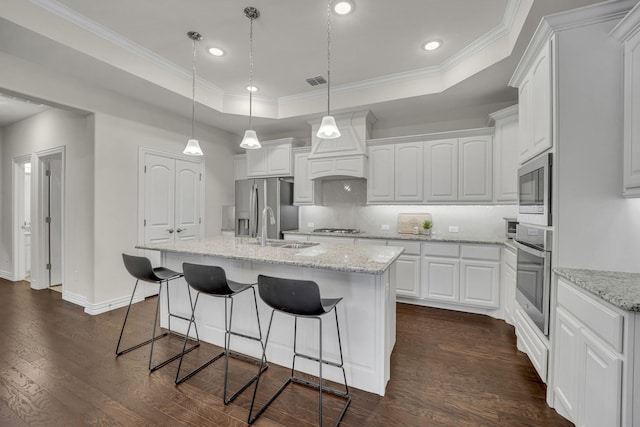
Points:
point(344, 157)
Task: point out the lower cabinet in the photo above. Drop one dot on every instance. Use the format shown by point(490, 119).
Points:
point(461, 274)
point(508, 283)
point(588, 360)
point(407, 269)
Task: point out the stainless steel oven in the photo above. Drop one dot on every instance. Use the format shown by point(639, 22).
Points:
point(534, 191)
point(533, 276)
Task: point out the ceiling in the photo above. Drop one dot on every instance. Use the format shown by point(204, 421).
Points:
point(140, 49)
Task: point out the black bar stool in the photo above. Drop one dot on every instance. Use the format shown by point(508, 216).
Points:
point(212, 280)
point(141, 269)
point(300, 298)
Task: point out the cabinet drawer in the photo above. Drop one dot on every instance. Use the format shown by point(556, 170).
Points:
point(371, 242)
point(510, 258)
point(441, 249)
point(533, 346)
point(488, 253)
point(602, 320)
point(410, 248)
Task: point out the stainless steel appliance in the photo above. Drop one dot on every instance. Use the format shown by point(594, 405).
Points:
point(510, 225)
point(533, 275)
point(534, 191)
point(251, 201)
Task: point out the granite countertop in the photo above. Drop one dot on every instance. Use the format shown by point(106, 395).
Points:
point(618, 288)
point(338, 257)
point(397, 236)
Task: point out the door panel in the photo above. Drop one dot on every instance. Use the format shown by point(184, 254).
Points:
point(159, 194)
point(187, 200)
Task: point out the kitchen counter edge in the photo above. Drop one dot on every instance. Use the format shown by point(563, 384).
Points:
point(620, 289)
point(410, 237)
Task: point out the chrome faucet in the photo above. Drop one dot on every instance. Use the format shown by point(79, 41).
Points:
point(263, 237)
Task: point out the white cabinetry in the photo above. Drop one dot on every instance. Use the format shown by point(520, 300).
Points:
point(459, 170)
point(239, 167)
point(395, 173)
point(508, 283)
point(461, 274)
point(332, 240)
point(275, 158)
point(628, 32)
point(303, 188)
point(589, 353)
point(408, 269)
point(505, 155)
point(534, 100)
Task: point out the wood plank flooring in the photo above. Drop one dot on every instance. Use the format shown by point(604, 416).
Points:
point(58, 368)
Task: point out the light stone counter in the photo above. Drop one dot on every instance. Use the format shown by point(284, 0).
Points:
point(363, 276)
point(338, 257)
point(413, 237)
point(618, 288)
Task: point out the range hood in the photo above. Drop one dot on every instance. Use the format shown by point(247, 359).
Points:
point(344, 157)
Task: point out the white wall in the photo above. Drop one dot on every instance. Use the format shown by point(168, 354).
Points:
point(4, 261)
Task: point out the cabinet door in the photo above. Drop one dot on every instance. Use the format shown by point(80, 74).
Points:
point(441, 277)
point(567, 371)
point(441, 170)
point(475, 178)
point(279, 159)
point(239, 167)
point(541, 102)
point(303, 187)
point(525, 136)
point(602, 401)
point(505, 165)
point(408, 172)
point(480, 283)
point(257, 162)
point(408, 276)
point(509, 286)
point(380, 184)
point(631, 165)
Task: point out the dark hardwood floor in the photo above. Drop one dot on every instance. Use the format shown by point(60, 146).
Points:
point(58, 368)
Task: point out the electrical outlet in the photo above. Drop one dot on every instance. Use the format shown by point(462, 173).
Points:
point(384, 227)
point(310, 225)
point(76, 276)
point(453, 229)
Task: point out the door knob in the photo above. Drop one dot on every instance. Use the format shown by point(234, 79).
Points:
point(180, 229)
point(170, 230)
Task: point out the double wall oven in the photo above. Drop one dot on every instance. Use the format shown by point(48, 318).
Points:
point(534, 240)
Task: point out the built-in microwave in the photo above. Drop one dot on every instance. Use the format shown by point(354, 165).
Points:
point(534, 191)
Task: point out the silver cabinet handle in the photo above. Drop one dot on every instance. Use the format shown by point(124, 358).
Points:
point(170, 230)
point(180, 230)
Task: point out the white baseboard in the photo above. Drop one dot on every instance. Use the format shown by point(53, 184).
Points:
point(113, 304)
point(7, 275)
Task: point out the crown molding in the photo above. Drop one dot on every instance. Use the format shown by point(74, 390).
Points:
point(628, 26)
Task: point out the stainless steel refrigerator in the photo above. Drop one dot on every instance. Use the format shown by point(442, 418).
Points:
point(250, 203)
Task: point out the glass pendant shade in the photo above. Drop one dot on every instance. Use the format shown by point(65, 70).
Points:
point(328, 128)
point(193, 148)
point(250, 140)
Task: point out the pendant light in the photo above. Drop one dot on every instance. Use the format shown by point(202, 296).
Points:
point(193, 146)
point(250, 139)
point(328, 128)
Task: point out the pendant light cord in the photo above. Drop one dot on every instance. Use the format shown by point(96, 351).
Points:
point(328, 57)
point(193, 92)
point(250, 71)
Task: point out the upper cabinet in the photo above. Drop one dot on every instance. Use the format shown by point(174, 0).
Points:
point(505, 155)
point(303, 188)
point(535, 100)
point(380, 184)
point(395, 173)
point(239, 167)
point(628, 32)
point(275, 158)
point(459, 169)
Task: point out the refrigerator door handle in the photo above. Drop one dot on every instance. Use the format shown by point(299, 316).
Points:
point(253, 211)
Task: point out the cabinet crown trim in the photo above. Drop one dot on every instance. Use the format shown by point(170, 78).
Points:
point(431, 136)
point(628, 26)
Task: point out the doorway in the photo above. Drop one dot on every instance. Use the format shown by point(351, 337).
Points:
point(22, 217)
point(48, 222)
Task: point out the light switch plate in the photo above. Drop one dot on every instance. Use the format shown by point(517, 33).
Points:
point(453, 229)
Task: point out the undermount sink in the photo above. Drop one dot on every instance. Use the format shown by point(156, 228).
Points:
point(300, 245)
point(286, 244)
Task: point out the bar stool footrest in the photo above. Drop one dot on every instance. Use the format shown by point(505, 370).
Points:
point(316, 359)
point(177, 356)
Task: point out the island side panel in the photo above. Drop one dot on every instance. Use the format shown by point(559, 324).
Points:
point(366, 315)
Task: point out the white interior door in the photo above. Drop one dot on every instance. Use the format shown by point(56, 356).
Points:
point(159, 199)
point(54, 234)
point(187, 200)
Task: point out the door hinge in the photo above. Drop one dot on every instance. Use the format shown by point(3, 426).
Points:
point(145, 169)
point(199, 220)
point(200, 177)
point(47, 173)
point(145, 222)
point(48, 266)
point(47, 220)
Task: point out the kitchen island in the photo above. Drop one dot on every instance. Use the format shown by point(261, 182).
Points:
point(363, 276)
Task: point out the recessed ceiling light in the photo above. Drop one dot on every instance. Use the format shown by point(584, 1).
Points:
point(432, 45)
point(216, 51)
point(252, 88)
point(343, 7)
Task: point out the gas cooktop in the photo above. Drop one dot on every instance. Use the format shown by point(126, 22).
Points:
point(337, 230)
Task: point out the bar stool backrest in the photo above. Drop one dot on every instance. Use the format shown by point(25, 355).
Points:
point(208, 279)
point(300, 297)
point(140, 268)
